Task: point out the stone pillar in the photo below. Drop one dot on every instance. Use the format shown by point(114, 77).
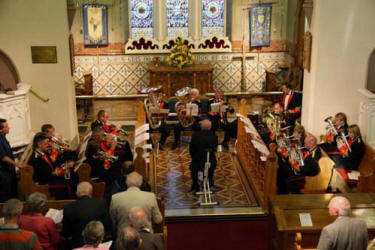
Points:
point(366, 118)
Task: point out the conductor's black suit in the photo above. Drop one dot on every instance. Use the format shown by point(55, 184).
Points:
point(201, 142)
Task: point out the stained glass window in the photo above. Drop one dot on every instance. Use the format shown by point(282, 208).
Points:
point(213, 17)
point(141, 18)
point(177, 18)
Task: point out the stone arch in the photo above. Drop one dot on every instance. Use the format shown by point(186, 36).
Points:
point(9, 76)
point(370, 84)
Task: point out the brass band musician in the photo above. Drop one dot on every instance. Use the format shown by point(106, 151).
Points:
point(103, 117)
point(188, 96)
point(292, 103)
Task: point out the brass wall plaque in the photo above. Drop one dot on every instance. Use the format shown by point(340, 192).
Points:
point(43, 54)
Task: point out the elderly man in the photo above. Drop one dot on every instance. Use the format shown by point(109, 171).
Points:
point(80, 212)
point(11, 236)
point(129, 239)
point(138, 220)
point(123, 202)
point(202, 142)
point(36, 222)
point(345, 232)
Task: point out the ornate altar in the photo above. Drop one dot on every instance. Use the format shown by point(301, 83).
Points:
point(171, 78)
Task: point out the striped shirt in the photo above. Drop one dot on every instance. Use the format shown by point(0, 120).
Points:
point(15, 238)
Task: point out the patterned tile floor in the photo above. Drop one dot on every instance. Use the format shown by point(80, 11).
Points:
point(174, 181)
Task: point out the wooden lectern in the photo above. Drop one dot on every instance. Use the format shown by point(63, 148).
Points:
point(172, 78)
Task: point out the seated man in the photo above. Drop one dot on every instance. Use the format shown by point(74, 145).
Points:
point(191, 97)
point(80, 212)
point(103, 117)
point(202, 142)
point(129, 239)
point(45, 170)
point(123, 202)
point(11, 236)
point(345, 232)
point(291, 173)
point(138, 220)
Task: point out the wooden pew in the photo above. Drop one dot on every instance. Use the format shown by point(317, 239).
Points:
point(84, 173)
point(28, 185)
point(318, 184)
point(139, 162)
point(285, 222)
point(261, 173)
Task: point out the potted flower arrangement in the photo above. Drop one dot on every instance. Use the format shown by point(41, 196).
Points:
point(180, 54)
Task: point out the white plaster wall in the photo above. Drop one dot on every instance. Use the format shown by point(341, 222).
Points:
point(25, 23)
point(343, 37)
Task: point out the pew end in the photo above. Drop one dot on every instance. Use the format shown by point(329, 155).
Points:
point(298, 243)
point(84, 173)
point(28, 186)
point(318, 184)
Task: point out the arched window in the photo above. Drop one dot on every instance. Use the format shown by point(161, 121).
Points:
point(177, 18)
point(213, 21)
point(141, 18)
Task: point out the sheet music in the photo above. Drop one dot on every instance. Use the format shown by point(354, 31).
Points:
point(215, 107)
point(354, 175)
point(192, 109)
point(263, 158)
point(141, 129)
point(305, 220)
point(146, 155)
point(251, 130)
point(147, 146)
point(141, 138)
point(261, 147)
point(55, 215)
point(105, 244)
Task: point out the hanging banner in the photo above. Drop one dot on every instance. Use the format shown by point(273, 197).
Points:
point(260, 25)
point(95, 30)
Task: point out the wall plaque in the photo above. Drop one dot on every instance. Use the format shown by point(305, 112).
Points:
point(43, 54)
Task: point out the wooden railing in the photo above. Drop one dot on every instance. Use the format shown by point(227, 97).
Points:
point(261, 168)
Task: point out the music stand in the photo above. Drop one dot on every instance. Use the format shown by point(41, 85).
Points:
point(206, 185)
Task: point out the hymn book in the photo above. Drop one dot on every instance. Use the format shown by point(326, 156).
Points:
point(55, 214)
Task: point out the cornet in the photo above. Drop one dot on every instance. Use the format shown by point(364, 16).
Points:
point(109, 157)
point(59, 144)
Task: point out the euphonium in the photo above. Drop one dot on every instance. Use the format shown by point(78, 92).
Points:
point(180, 107)
point(273, 121)
point(152, 107)
point(296, 154)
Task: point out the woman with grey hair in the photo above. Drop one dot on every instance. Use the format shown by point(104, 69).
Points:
point(36, 222)
point(93, 235)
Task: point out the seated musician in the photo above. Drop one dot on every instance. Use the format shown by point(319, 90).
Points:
point(163, 129)
point(274, 121)
point(330, 145)
point(112, 163)
point(290, 174)
point(95, 160)
point(58, 150)
point(103, 117)
point(353, 157)
point(192, 98)
point(292, 103)
point(45, 170)
point(219, 120)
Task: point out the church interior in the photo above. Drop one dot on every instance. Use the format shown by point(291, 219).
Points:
point(244, 117)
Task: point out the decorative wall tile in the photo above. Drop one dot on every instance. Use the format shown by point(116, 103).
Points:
point(127, 74)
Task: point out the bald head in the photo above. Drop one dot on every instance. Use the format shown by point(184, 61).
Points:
point(339, 206)
point(138, 219)
point(84, 188)
point(205, 124)
point(310, 141)
point(134, 180)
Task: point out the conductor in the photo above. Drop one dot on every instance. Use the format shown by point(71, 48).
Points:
point(202, 141)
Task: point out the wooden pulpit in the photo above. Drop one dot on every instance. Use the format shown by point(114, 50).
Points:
point(172, 78)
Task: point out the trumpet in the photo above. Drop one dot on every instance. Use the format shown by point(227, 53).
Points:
point(59, 144)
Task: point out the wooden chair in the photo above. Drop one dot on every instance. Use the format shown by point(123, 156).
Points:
point(84, 173)
point(318, 184)
point(28, 185)
point(298, 243)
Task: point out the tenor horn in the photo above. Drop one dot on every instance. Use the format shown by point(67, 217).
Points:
point(180, 107)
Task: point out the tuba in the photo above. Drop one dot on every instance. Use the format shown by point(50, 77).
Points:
point(180, 107)
point(273, 121)
point(152, 108)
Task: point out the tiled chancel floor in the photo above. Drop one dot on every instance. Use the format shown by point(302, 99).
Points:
point(174, 181)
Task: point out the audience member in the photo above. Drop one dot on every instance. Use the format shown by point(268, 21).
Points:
point(11, 236)
point(93, 235)
point(80, 212)
point(345, 232)
point(8, 183)
point(34, 221)
point(129, 239)
point(123, 202)
point(138, 220)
